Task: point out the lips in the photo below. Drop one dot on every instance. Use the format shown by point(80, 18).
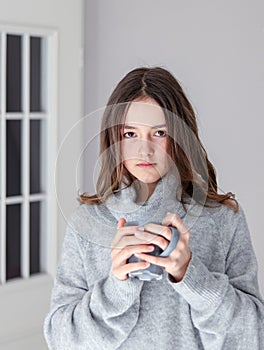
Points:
point(146, 165)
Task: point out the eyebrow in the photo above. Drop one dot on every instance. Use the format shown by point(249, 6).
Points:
point(153, 127)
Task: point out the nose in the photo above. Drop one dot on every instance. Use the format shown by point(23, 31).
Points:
point(145, 148)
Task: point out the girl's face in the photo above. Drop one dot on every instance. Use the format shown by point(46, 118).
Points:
point(144, 141)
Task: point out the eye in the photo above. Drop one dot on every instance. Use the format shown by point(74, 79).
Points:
point(129, 134)
point(161, 133)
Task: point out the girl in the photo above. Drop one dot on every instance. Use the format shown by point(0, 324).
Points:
point(155, 174)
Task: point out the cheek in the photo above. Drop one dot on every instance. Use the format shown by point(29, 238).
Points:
point(165, 144)
point(128, 151)
point(162, 149)
point(124, 151)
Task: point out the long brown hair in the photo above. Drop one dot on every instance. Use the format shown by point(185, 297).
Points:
point(197, 174)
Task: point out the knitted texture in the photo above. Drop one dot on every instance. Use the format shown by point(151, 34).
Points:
point(216, 306)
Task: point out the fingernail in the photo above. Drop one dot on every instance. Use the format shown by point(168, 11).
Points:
point(141, 228)
point(150, 247)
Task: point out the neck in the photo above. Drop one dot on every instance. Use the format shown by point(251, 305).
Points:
point(144, 191)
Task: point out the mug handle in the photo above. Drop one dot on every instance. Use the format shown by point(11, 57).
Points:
point(173, 242)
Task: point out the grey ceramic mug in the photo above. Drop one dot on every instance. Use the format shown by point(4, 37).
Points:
point(153, 272)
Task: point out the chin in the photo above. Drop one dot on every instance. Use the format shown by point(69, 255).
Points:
point(149, 179)
point(147, 176)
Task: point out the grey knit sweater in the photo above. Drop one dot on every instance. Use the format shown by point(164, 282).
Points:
point(217, 305)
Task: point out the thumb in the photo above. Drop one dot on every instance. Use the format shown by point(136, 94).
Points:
point(175, 221)
point(121, 223)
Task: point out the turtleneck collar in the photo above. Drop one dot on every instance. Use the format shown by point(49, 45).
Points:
point(162, 200)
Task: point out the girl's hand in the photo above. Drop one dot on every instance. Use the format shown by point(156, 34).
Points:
point(125, 244)
point(177, 262)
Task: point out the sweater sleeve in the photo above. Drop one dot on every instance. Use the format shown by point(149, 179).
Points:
point(227, 309)
point(83, 317)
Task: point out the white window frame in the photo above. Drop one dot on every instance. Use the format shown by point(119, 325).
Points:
point(11, 289)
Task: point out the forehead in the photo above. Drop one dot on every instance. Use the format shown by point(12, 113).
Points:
point(147, 113)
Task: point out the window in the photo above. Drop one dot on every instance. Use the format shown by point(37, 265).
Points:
point(27, 145)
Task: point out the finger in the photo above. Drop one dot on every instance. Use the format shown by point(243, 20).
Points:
point(129, 240)
point(153, 259)
point(121, 223)
point(146, 237)
point(120, 256)
point(123, 231)
point(159, 230)
point(136, 266)
point(125, 269)
point(175, 220)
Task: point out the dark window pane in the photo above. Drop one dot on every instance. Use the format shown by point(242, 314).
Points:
point(13, 71)
point(13, 241)
point(35, 74)
point(13, 157)
point(35, 134)
point(34, 237)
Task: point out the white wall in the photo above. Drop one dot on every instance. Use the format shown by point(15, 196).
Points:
point(215, 49)
point(67, 18)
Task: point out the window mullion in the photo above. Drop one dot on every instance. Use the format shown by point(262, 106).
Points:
point(25, 232)
point(16, 127)
point(3, 161)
